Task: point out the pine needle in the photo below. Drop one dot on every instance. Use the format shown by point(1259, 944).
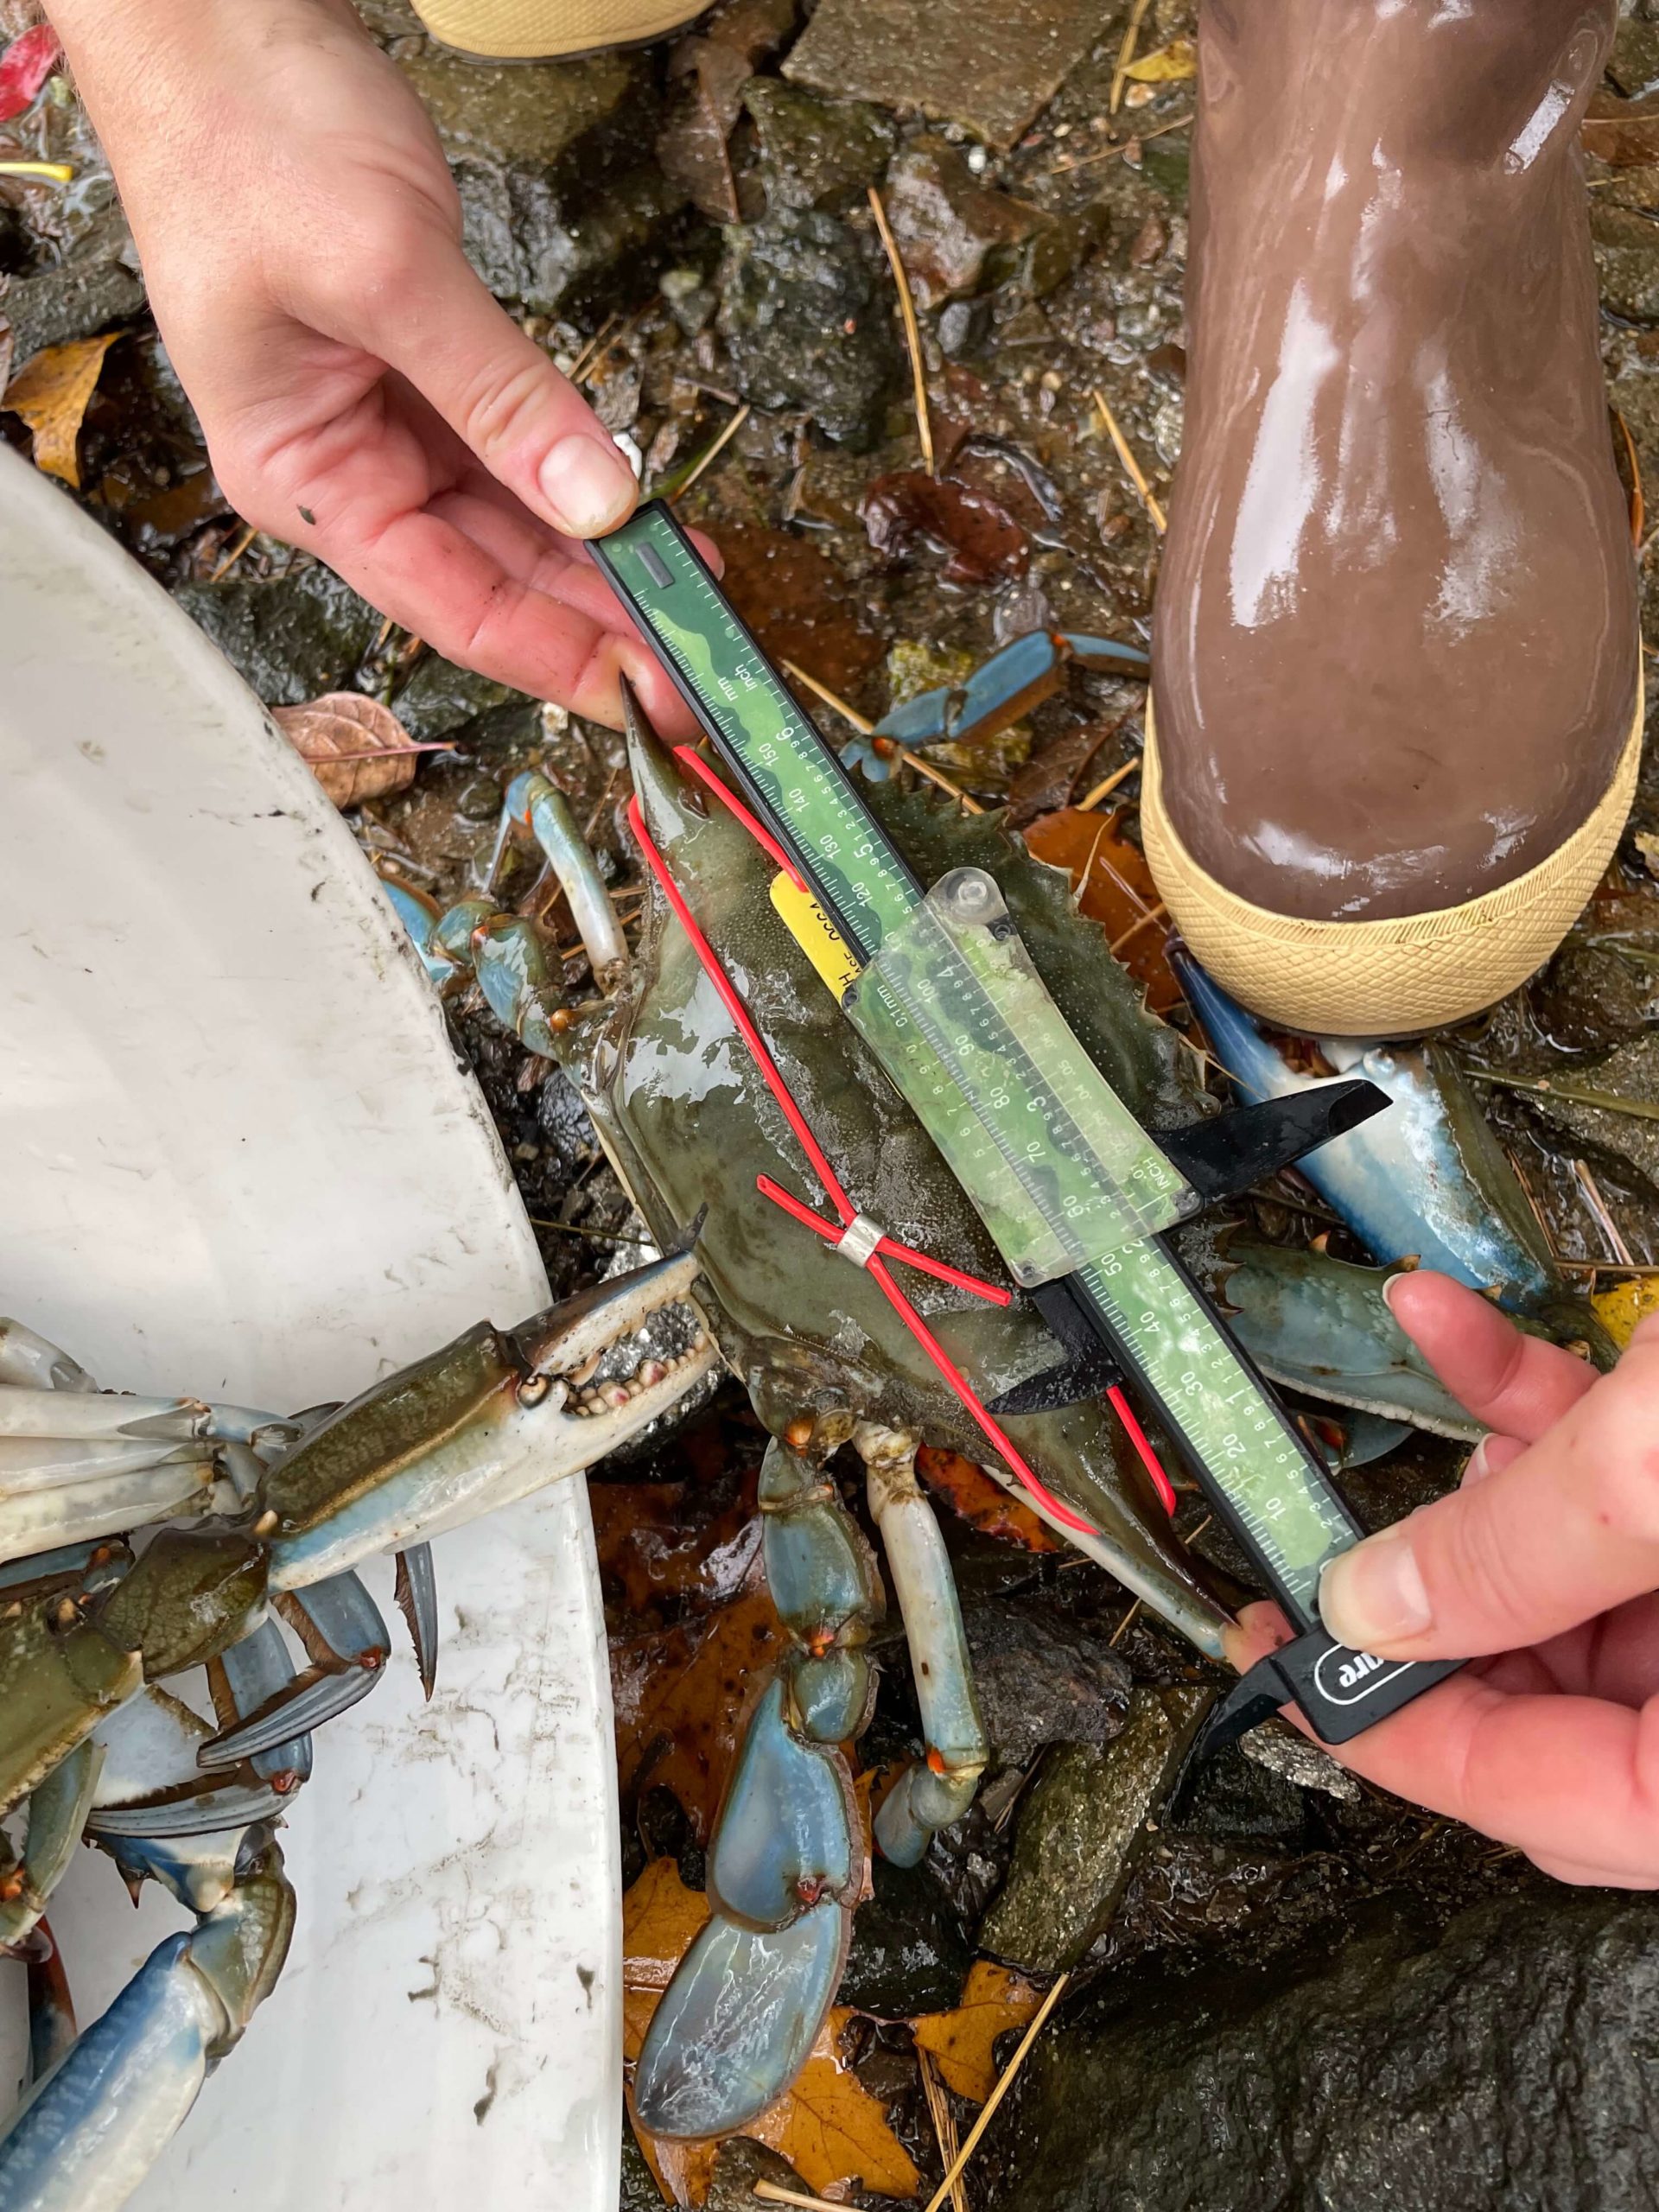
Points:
point(1125, 55)
point(56, 173)
point(1152, 914)
point(912, 335)
point(1120, 151)
point(944, 2123)
point(1104, 789)
point(772, 2192)
point(246, 537)
point(1570, 1094)
point(1004, 2083)
point(891, 749)
point(1639, 504)
point(677, 487)
point(1131, 467)
point(1603, 1215)
point(849, 715)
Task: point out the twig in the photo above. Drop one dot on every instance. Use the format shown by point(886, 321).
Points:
point(54, 172)
point(1135, 473)
point(912, 335)
point(772, 2192)
point(1122, 1628)
point(944, 2123)
point(1126, 54)
point(597, 1236)
point(389, 752)
point(585, 359)
point(1104, 789)
point(850, 715)
point(1004, 2084)
point(677, 488)
point(1120, 151)
point(248, 534)
point(1570, 1094)
point(1152, 914)
point(1639, 504)
point(1603, 1214)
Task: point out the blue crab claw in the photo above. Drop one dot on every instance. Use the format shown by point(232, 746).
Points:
point(737, 2021)
point(347, 1643)
point(488, 1419)
point(89, 2132)
point(1320, 1325)
point(257, 1672)
point(1428, 1180)
point(784, 1835)
point(1010, 683)
point(417, 1594)
point(151, 1786)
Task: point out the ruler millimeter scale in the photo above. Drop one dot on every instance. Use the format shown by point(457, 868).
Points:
point(1073, 1190)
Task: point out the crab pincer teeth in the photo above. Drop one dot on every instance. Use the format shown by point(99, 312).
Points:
point(347, 1641)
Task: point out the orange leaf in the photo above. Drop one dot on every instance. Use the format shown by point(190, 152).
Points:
point(992, 1998)
point(51, 393)
point(829, 2127)
point(983, 1503)
point(681, 1696)
point(1115, 889)
point(334, 733)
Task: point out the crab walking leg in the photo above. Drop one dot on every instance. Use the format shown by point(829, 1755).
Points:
point(491, 1418)
point(93, 2128)
point(931, 1795)
point(52, 2027)
point(533, 799)
point(785, 1867)
point(57, 1814)
point(32, 1362)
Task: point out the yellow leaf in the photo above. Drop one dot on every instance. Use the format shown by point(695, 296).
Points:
point(51, 393)
point(1167, 65)
point(829, 2127)
point(358, 748)
point(992, 1998)
point(1626, 1304)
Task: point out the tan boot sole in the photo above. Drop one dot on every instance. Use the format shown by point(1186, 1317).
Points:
point(1384, 979)
point(550, 30)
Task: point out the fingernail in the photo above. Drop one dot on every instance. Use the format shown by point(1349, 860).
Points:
point(1375, 1596)
point(1478, 1466)
point(1389, 1282)
point(588, 483)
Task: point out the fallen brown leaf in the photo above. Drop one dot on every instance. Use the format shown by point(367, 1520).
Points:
point(1114, 888)
point(983, 1504)
point(335, 732)
point(51, 393)
point(961, 2041)
point(829, 2127)
point(1170, 65)
point(984, 542)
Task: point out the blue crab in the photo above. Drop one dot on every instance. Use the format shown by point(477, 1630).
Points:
point(695, 1133)
point(263, 1518)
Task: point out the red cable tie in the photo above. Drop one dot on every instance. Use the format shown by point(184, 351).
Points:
point(691, 760)
point(974, 1285)
point(1149, 1459)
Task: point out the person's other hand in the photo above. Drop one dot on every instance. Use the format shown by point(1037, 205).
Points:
point(361, 393)
point(1547, 1556)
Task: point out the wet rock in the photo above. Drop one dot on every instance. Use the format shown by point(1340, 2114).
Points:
point(290, 638)
point(558, 197)
point(990, 69)
point(1503, 2065)
point(959, 236)
point(739, 2163)
point(1081, 1825)
point(963, 327)
point(1592, 997)
point(73, 301)
point(639, 2191)
point(816, 153)
point(440, 698)
point(1281, 1751)
point(804, 323)
point(1041, 1679)
point(909, 1953)
point(1627, 259)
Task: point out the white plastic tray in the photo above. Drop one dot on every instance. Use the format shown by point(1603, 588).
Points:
point(240, 1160)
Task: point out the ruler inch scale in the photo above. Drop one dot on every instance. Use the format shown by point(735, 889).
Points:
point(1254, 1466)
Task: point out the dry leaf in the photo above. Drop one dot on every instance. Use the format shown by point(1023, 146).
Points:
point(981, 1502)
point(993, 1999)
point(1168, 66)
point(51, 393)
point(334, 733)
point(1624, 1305)
point(1114, 888)
point(829, 2127)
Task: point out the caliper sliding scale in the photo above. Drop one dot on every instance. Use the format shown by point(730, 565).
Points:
point(1073, 1190)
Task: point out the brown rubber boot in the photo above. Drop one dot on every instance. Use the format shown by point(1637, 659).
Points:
point(1396, 670)
point(548, 30)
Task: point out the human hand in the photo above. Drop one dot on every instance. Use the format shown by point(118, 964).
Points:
point(1547, 1556)
point(361, 393)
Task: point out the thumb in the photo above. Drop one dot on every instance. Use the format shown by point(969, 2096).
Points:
point(1546, 1539)
point(501, 394)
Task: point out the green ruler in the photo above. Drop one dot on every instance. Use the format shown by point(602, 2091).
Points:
point(1069, 1184)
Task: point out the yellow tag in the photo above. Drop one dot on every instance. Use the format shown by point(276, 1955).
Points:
point(816, 934)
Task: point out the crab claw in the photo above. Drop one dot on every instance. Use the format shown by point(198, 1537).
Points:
point(492, 1417)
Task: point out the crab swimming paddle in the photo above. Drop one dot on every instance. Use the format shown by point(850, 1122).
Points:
point(1075, 1193)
